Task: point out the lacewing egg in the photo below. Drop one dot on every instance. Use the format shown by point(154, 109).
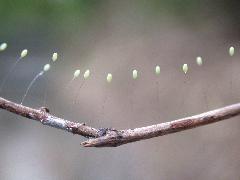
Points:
point(76, 73)
point(109, 77)
point(3, 46)
point(199, 61)
point(157, 70)
point(185, 68)
point(134, 74)
point(86, 74)
point(46, 67)
point(231, 51)
point(54, 56)
point(24, 53)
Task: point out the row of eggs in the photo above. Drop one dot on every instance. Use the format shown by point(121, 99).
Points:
point(109, 77)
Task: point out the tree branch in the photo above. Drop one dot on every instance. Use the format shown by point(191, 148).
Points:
point(109, 137)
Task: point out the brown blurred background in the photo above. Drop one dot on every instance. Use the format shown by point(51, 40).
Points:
point(117, 37)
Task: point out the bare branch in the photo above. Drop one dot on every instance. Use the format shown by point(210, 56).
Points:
point(109, 137)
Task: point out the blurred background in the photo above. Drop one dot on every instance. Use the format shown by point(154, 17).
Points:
point(116, 37)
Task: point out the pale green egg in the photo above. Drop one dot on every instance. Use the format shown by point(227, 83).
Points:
point(231, 51)
point(109, 77)
point(86, 74)
point(24, 53)
point(135, 74)
point(185, 68)
point(76, 73)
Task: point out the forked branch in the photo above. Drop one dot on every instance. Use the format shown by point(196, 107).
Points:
point(109, 137)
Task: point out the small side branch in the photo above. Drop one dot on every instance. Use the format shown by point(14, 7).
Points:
point(109, 137)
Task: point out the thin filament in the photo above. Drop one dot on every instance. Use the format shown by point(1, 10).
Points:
point(30, 85)
point(76, 97)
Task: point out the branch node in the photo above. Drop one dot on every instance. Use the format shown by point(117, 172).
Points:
point(44, 109)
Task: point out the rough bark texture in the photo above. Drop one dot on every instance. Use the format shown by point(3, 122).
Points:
point(109, 137)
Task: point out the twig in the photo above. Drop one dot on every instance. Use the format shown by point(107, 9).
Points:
point(45, 118)
point(109, 137)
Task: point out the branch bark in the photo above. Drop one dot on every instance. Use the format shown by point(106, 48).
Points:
point(110, 137)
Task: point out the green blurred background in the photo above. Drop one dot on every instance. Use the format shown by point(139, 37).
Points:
point(117, 37)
